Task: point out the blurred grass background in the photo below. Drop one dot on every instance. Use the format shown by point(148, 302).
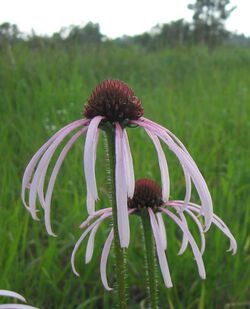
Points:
point(203, 97)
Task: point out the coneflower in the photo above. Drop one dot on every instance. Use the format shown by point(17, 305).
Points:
point(111, 106)
point(148, 201)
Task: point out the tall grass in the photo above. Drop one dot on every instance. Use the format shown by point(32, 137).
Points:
point(203, 98)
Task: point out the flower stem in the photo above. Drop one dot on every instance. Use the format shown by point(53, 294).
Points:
point(150, 262)
point(120, 253)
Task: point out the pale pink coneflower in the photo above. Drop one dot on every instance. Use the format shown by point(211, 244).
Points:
point(114, 104)
point(148, 197)
point(17, 296)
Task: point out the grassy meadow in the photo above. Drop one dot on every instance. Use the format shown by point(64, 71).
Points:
point(204, 98)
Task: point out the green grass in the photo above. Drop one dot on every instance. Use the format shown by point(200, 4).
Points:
point(203, 98)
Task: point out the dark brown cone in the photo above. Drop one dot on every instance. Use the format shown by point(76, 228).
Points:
point(147, 194)
point(115, 101)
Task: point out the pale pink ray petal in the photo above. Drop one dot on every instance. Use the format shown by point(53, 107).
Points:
point(94, 215)
point(44, 163)
point(53, 177)
point(163, 166)
point(199, 182)
point(37, 182)
point(90, 155)
point(90, 202)
point(16, 306)
point(162, 230)
point(128, 163)
point(151, 127)
point(188, 163)
point(12, 294)
point(184, 243)
point(188, 188)
point(218, 222)
point(160, 250)
point(104, 258)
point(195, 249)
point(31, 166)
point(84, 234)
point(179, 207)
point(172, 135)
point(121, 194)
point(90, 244)
point(196, 220)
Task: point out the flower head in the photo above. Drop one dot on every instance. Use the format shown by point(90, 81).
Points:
point(114, 102)
point(148, 196)
point(12, 294)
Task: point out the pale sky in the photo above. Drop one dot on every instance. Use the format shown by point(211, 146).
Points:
point(116, 17)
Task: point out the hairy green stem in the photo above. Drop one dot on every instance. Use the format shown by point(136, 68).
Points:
point(120, 253)
point(151, 274)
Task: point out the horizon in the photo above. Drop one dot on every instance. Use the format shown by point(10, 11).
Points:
point(112, 23)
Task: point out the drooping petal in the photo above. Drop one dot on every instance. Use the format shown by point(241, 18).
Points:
point(38, 179)
point(196, 220)
point(12, 294)
point(94, 215)
point(160, 250)
point(192, 170)
point(84, 234)
point(31, 166)
point(53, 177)
point(16, 306)
point(163, 166)
point(104, 258)
point(90, 155)
point(188, 188)
point(188, 164)
point(121, 194)
point(218, 222)
point(90, 202)
point(162, 230)
point(128, 163)
point(90, 244)
point(195, 249)
point(184, 243)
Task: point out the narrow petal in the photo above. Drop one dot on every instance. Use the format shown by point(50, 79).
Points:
point(90, 202)
point(195, 249)
point(196, 220)
point(188, 164)
point(104, 258)
point(163, 166)
point(53, 177)
point(38, 179)
point(219, 223)
point(31, 166)
point(90, 244)
point(12, 294)
point(90, 155)
point(128, 163)
point(184, 243)
point(121, 194)
point(94, 215)
point(162, 230)
point(160, 250)
point(16, 306)
point(84, 234)
point(188, 188)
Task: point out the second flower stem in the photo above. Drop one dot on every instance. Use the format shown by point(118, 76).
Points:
point(150, 262)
